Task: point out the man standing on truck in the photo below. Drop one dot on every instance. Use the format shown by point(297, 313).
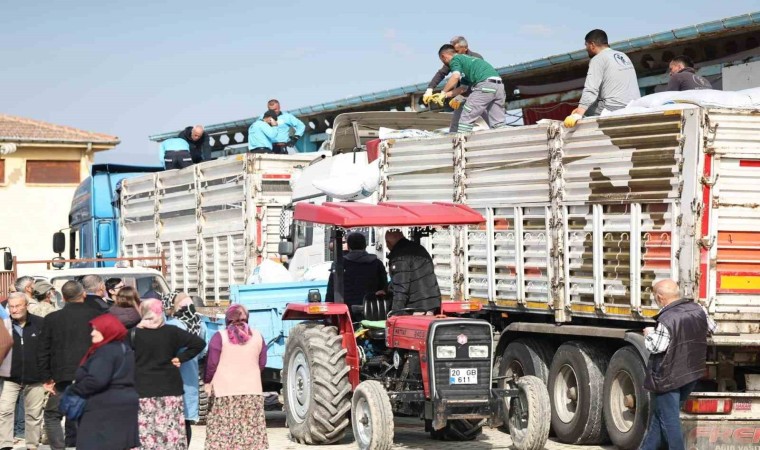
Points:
point(175, 154)
point(198, 140)
point(289, 128)
point(683, 77)
point(262, 133)
point(413, 281)
point(363, 273)
point(678, 351)
point(611, 82)
point(461, 47)
point(488, 97)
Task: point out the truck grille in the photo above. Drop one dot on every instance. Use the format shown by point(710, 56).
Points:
point(446, 333)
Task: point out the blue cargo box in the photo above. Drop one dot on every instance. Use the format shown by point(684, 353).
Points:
point(266, 304)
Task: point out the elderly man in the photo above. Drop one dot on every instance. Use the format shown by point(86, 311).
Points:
point(198, 140)
point(24, 375)
point(64, 341)
point(678, 350)
point(413, 281)
point(461, 47)
point(683, 77)
point(96, 290)
point(611, 81)
point(289, 128)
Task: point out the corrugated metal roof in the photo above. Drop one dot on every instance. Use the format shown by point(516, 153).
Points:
point(629, 45)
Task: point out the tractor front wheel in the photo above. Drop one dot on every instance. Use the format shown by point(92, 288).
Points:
point(372, 417)
point(316, 389)
point(530, 414)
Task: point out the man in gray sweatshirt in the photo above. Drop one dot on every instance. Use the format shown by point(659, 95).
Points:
point(611, 81)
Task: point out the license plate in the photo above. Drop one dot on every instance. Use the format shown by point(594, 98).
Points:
point(463, 376)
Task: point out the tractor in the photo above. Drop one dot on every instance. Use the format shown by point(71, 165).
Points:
point(439, 367)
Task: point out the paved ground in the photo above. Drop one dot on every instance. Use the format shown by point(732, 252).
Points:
point(410, 434)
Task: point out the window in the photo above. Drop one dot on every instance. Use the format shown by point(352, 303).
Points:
point(2, 171)
point(53, 172)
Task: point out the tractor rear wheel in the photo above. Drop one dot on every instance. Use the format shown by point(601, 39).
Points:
point(372, 417)
point(316, 389)
point(530, 414)
point(459, 430)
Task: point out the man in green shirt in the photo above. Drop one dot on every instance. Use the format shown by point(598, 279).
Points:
point(488, 97)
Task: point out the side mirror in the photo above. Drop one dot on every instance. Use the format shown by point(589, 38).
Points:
point(59, 242)
point(8, 260)
point(57, 263)
point(285, 248)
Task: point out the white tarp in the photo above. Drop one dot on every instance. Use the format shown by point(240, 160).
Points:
point(746, 99)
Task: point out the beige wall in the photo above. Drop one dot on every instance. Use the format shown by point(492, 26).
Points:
point(32, 213)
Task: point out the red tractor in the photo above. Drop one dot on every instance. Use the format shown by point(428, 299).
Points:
point(438, 368)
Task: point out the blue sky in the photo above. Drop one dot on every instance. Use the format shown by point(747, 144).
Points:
point(138, 68)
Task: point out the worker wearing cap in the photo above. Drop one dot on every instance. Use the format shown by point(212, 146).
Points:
point(611, 81)
point(289, 128)
point(175, 153)
point(262, 133)
point(45, 299)
point(461, 47)
point(488, 96)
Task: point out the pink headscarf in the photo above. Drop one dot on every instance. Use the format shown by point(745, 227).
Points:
point(152, 312)
point(238, 330)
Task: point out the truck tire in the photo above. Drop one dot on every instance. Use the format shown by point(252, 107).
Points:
point(459, 430)
point(626, 404)
point(527, 356)
point(530, 414)
point(203, 402)
point(316, 390)
point(372, 417)
point(576, 390)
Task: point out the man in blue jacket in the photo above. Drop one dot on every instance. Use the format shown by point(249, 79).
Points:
point(175, 154)
point(262, 133)
point(289, 128)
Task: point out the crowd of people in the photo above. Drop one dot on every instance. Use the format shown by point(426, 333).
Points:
point(132, 362)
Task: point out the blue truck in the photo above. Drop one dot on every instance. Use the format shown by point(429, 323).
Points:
point(94, 215)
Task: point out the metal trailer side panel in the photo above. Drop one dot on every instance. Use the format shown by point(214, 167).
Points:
point(137, 218)
point(733, 245)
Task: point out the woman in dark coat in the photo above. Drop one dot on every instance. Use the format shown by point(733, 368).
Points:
point(106, 378)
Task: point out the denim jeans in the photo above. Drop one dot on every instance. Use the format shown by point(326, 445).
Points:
point(665, 420)
point(19, 426)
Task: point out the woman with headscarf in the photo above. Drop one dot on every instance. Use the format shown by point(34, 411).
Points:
point(159, 351)
point(237, 417)
point(105, 379)
point(127, 306)
point(185, 317)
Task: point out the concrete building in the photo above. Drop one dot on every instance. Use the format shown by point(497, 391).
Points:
point(41, 165)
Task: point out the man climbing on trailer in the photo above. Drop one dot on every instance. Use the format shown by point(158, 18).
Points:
point(488, 96)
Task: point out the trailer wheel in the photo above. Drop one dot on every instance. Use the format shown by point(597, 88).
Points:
point(626, 406)
point(576, 390)
point(530, 414)
point(372, 417)
point(316, 389)
point(459, 430)
point(526, 356)
point(204, 402)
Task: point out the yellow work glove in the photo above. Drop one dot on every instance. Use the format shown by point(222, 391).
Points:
point(572, 120)
point(457, 101)
point(439, 99)
point(427, 96)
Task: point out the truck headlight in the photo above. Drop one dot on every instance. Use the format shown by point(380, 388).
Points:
point(478, 351)
point(445, 352)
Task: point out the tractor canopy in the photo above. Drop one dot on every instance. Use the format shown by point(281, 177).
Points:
point(387, 214)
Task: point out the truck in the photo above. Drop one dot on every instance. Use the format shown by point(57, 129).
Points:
point(213, 222)
point(580, 224)
point(94, 216)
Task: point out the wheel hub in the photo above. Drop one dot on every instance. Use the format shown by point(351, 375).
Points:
point(623, 401)
point(566, 394)
point(299, 386)
point(364, 426)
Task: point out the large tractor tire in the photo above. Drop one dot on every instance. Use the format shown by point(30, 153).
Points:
point(626, 403)
point(204, 406)
point(459, 430)
point(576, 390)
point(526, 356)
point(530, 414)
point(316, 389)
point(372, 417)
